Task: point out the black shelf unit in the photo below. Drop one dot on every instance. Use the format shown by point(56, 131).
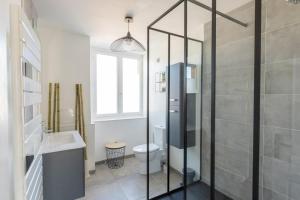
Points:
point(176, 110)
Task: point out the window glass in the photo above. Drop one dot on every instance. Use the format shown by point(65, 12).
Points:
point(131, 85)
point(107, 87)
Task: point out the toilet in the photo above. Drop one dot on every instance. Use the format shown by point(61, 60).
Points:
point(156, 152)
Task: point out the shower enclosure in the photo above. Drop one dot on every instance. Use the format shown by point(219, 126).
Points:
point(223, 79)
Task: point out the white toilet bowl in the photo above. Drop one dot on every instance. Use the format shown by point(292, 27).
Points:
point(154, 158)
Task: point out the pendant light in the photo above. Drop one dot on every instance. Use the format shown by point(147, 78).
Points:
point(127, 43)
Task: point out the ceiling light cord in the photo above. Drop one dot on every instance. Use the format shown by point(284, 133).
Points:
point(128, 25)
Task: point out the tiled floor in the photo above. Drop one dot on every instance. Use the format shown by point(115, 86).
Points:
point(126, 184)
point(198, 191)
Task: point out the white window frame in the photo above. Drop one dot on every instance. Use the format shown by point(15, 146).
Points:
point(93, 74)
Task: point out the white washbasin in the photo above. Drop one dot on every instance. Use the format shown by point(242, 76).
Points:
point(58, 139)
point(61, 141)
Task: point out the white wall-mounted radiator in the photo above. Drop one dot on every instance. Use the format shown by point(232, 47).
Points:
point(26, 62)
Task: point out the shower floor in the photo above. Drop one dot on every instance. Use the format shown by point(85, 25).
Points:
point(199, 191)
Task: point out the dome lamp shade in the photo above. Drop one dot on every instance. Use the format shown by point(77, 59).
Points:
point(127, 43)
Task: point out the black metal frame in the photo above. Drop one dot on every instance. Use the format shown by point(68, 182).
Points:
point(148, 59)
point(213, 98)
point(168, 114)
point(256, 106)
point(256, 110)
point(185, 98)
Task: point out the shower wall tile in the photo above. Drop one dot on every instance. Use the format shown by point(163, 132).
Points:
point(206, 171)
point(296, 75)
point(234, 107)
point(278, 143)
point(206, 83)
point(264, 16)
point(206, 154)
point(206, 130)
point(262, 79)
point(282, 110)
point(233, 161)
point(236, 54)
point(263, 48)
point(296, 112)
point(281, 178)
point(234, 135)
point(280, 97)
point(207, 55)
point(206, 106)
point(233, 185)
point(270, 194)
point(234, 99)
point(283, 44)
point(295, 157)
point(295, 189)
point(279, 78)
point(281, 135)
point(245, 14)
point(295, 176)
point(206, 142)
point(234, 80)
point(278, 109)
point(281, 14)
point(276, 175)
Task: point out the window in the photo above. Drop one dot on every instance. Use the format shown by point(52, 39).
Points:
point(118, 80)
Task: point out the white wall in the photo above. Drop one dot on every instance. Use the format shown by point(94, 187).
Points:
point(6, 136)
point(5, 145)
point(130, 131)
point(66, 59)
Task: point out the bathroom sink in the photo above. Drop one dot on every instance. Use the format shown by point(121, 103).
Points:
point(61, 141)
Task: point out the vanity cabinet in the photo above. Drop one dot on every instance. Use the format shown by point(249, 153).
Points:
point(176, 111)
point(63, 175)
point(63, 161)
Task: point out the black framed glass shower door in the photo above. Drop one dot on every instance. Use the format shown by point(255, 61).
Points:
point(226, 106)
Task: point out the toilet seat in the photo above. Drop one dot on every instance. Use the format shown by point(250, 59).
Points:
point(143, 148)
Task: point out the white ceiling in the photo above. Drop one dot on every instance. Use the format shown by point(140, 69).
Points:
point(102, 20)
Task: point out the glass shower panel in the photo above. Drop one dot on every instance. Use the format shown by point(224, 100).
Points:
point(193, 78)
point(280, 105)
point(176, 112)
point(198, 100)
point(167, 48)
point(234, 100)
point(194, 143)
point(158, 62)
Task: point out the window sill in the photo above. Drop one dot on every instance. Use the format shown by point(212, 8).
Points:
point(104, 119)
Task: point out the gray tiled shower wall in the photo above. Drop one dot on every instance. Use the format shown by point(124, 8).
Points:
point(280, 95)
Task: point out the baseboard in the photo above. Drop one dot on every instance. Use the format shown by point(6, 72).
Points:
point(103, 161)
point(176, 171)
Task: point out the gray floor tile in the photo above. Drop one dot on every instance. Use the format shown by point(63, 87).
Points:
point(126, 183)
